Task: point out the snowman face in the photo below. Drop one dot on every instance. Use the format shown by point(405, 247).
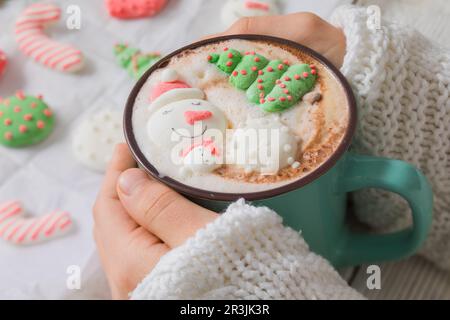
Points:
point(185, 120)
point(233, 10)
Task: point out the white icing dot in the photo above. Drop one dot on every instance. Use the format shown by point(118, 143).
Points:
point(287, 148)
point(169, 75)
point(296, 165)
point(290, 160)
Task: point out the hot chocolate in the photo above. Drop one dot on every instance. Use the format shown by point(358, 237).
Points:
point(239, 116)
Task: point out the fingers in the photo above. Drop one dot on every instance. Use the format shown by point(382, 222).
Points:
point(159, 209)
point(121, 160)
point(295, 27)
point(305, 28)
point(109, 215)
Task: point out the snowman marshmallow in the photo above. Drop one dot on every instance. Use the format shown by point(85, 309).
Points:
point(233, 10)
point(190, 128)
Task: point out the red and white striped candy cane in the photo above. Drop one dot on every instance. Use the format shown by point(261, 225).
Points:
point(34, 43)
point(17, 229)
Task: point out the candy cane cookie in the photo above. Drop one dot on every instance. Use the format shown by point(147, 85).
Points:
point(19, 230)
point(34, 43)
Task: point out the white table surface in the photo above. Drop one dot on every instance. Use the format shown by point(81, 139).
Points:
point(47, 176)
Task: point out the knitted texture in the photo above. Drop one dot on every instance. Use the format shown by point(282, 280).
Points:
point(402, 83)
point(245, 254)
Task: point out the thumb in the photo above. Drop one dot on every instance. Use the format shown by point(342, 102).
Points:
point(159, 209)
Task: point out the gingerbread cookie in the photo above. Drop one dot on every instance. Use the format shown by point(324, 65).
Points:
point(3, 62)
point(17, 229)
point(24, 120)
point(132, 9)
point(95, 138)
point(34, 43)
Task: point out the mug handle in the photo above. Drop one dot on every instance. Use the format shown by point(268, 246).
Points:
point(396, 176)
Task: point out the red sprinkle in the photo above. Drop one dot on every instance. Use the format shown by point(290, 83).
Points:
point(28, 117)
point(260, 72)
point(40, 124)
point(1, 114)
point(48, 112)
point(278, 81)
point(282, 99)
point(254, 68)
point(235, 73)
point(17, 109)
point(7, 122)
point(289, 98)
point(229, 63)
point(286, 62)
point(260, 87)
point(257, 59)
point(280, 67)
point(225, 49)
point(33, 105)
point(209, 58)
point(313, 71)
point(243, 72)
point(297, 77)
point(262, 95)
point(252, 53)
point(230, 55)
point(286, 91)
point(260, 80)
point(305, 74)
point(287, 79)
point(20, 95)
point(270, 69)
point(282, 85)
point(271, 99)
point(312, 66)
point(40, 96)
point(23, 128)
point(262, 101)
point(8, 135)
point(247, 53)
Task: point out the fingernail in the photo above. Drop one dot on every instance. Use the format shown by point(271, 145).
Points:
point(130, 180)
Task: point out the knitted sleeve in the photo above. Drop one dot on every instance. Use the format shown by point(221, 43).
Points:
point(401, 80)
point(245, 254)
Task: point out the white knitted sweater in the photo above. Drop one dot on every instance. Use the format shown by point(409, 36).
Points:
point(246, 253)
point(402, 82)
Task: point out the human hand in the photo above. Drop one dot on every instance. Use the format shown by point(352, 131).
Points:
point(137, 220)
point(305, 28)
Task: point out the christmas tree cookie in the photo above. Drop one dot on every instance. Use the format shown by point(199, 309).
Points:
point(134, 60)
point(273, 85)
point(24, 120)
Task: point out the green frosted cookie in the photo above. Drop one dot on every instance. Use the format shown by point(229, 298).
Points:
point(134, 60)
point(24, 120)
point(298, 80)
point(273, 85)
point(266, 81)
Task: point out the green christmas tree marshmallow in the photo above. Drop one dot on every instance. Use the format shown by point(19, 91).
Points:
point(134, 61)
point(24, 120)
point(274, 85)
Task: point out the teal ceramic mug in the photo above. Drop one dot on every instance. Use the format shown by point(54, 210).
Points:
point(316, 204)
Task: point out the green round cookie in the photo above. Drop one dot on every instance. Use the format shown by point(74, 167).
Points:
point(24, 120)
